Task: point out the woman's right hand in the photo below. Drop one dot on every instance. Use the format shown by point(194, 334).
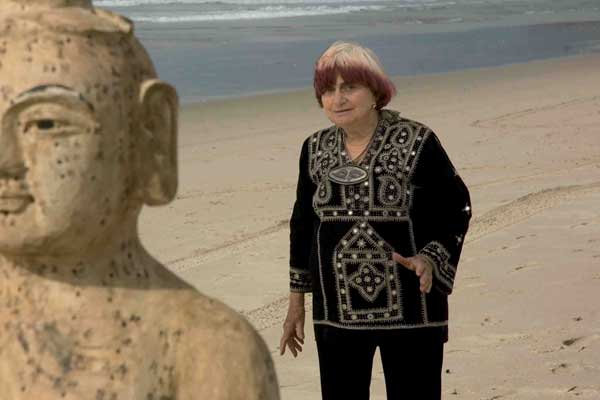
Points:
point(293, 327)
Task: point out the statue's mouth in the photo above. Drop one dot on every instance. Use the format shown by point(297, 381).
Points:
point(14, 203)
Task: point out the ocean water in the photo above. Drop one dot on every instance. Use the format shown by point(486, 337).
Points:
point(212, 49)
point(417, 11)
point(197, 10)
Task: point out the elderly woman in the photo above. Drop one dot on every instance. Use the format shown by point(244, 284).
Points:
point(376, 234)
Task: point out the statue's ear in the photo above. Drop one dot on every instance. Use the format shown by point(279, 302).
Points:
point(157, 166)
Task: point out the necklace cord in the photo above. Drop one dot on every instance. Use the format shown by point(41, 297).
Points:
point(359, 157)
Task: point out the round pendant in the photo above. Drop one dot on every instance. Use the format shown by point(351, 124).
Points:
point(348, 175)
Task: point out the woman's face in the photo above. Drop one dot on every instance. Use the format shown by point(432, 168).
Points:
point(348, 104)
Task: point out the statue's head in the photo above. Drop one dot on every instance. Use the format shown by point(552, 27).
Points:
point(87, 134)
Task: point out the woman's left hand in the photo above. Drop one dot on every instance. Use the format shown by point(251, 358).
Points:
point(422, 268)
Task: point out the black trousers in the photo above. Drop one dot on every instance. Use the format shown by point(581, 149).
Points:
point(411, 358)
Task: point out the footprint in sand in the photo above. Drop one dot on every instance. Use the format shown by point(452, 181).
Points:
point(559, 367)
point(504, 248)
point(527, 265)
point(572, 341)
point(497, 338)
point(580, 343)
point(580, 225)
point(489, 321)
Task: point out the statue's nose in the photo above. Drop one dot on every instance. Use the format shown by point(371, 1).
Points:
point(11, 158)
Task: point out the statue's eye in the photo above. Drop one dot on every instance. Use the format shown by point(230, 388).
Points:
point(54, 121)
point(45, 124)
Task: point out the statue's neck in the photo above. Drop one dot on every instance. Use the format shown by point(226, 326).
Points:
point(121, 262)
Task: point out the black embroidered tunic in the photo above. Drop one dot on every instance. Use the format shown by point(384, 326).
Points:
point(344, 229)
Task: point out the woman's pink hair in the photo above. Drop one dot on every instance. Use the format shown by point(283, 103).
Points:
point(355, 64)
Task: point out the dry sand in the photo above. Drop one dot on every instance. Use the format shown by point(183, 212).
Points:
point(525, 319)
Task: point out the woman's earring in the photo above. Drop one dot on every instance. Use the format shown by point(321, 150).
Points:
point(373, 106)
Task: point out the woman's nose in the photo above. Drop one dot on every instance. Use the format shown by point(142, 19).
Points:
point(339, 97)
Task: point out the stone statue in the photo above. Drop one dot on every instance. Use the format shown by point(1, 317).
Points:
point(88, 136)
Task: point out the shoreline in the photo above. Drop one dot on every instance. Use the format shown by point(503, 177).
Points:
point(255, 62)
point(283, 92)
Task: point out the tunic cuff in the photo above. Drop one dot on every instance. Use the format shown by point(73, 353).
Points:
point(443, 271)
point(300, 281)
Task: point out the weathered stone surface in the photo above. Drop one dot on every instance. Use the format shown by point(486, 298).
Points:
point(88, 136)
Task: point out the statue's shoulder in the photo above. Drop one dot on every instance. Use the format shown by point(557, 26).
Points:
point(204, 312)
point(217, 342)
point(185, 307)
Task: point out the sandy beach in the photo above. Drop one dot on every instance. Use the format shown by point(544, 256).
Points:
point(524, 317)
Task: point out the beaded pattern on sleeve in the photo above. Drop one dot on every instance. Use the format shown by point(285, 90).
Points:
point(300, 281)
point(442, 269)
